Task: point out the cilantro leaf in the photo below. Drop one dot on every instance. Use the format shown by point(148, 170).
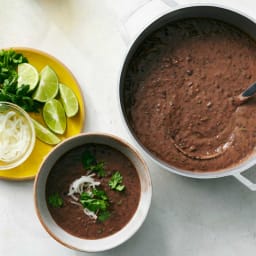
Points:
point(115, 182)
point(99, 169)
point(97, 202)
point(55, 200)
point(88, 159)
point(93, 202)
point(120, 187)
point(100, 194)
point(104, 215)
point(90, 163)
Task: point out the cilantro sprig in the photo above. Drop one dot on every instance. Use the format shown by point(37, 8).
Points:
point(97, 202)
point(55, 200)
point(90, 163)
point(115, 182)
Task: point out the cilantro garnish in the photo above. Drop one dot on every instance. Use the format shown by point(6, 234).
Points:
point(99, 168)
point(100, 194)
point(88, 159)
point(104, 216)
point(115, 182)
point(9, 90)
point(90, 163)
point(55, 200)
point(97, 202)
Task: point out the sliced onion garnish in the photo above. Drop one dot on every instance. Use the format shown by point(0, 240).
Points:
point(90, 214)
point(80, 185)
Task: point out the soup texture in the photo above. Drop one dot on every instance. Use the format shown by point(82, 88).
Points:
point(180, 95)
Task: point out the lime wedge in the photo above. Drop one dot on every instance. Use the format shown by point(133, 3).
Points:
point(48, 85)
point(54, 116)
point(44, 134)
point(27, 75)
point(69, 100)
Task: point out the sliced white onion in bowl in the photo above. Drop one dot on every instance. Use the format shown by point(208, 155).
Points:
point(14, 136)
point(17, 135)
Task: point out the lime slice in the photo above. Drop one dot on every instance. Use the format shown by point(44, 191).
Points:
point(44, 134)
point(27, 75)
point(48, 85)
point(54, 116)
point(69, 100)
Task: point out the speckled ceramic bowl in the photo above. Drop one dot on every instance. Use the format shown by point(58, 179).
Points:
point(108, 242)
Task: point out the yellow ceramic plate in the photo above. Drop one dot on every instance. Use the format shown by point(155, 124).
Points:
point(75, 124)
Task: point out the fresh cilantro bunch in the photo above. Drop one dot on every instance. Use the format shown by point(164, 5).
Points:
point(9, 61)
point(9, 90)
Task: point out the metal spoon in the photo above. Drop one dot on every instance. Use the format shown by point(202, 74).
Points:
point(245, 95)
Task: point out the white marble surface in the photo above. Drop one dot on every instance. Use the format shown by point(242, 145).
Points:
point(187, 217)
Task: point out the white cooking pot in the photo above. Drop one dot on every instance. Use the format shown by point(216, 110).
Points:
point(150, 16)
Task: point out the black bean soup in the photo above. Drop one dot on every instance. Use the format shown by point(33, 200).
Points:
point(119, 196)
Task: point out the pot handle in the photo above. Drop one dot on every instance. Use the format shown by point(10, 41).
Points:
point(245, 181)
point(134, 21)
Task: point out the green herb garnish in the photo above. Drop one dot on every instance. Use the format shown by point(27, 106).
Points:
point(104, 216)
point(97, 202)
point(99, 168)
point(88, 160)
point(100, 194)
point(9, 90)
point(90, 163)
point(55, 200)
point(115, 182)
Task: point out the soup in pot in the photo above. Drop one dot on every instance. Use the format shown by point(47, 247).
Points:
point(180, 90)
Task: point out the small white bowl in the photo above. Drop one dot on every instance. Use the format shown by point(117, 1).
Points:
point(15, 112)
point(111, 241)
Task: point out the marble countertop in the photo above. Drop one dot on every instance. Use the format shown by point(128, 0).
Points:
point(188, 217)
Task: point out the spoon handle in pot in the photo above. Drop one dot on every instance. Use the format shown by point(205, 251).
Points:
point(248, 93)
